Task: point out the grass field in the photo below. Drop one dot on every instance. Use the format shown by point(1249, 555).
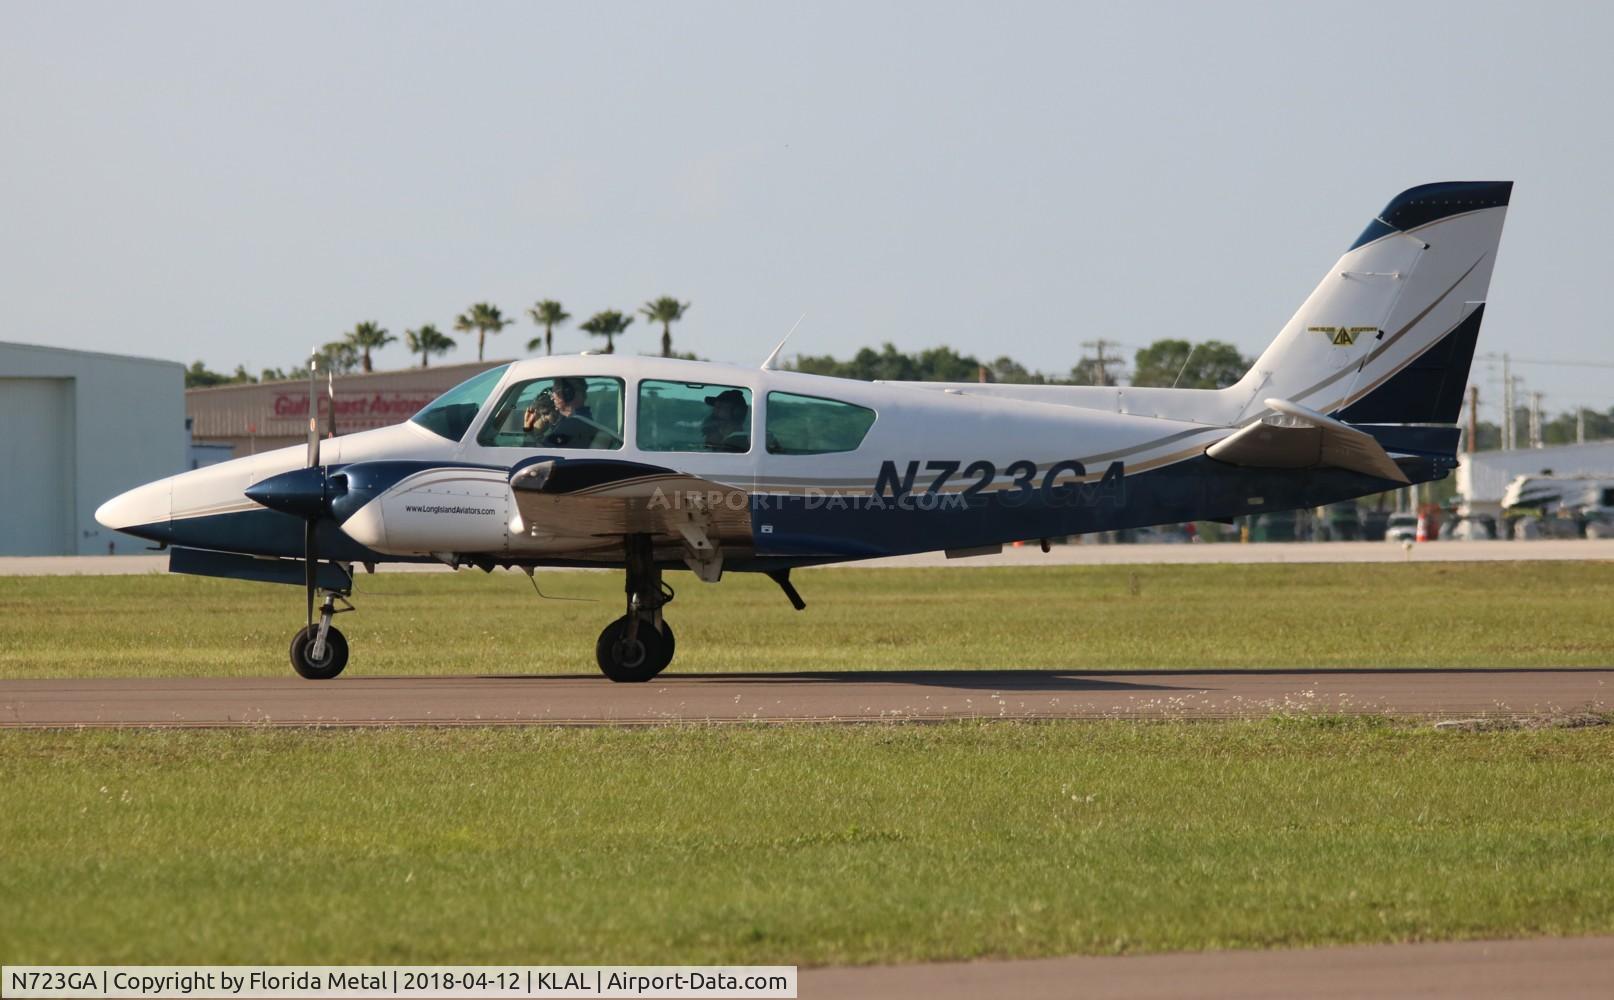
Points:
point(794, 844)
point(1449, 615)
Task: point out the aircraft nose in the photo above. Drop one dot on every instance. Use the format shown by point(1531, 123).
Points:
point(144, 505)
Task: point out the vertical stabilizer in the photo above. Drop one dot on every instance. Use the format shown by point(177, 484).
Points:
point(1388, 334)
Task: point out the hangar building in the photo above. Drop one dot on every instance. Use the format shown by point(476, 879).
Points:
point(80, 428)
point(1483, 476)
point(262, 416)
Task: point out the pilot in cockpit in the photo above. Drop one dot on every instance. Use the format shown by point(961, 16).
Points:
point(539, 418)
point(572, 399)
point(560, 417)
point(725, 427)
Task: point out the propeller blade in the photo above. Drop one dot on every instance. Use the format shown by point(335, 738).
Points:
point(311, 566)
point(313, 411)
point(300, 496)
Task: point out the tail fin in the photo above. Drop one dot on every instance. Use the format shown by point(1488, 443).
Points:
point(1388, 335)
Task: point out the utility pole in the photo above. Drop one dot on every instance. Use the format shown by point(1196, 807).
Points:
point(1509, 441)
point(1101, 363)
point(1535, 420)
point(1580, 425)
point(1473, 416)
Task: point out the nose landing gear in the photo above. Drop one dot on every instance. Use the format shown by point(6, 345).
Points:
point(319, 652)
point(639, 645)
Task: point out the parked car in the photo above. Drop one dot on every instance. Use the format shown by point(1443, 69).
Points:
point(1401, 528)
point(1344, 522)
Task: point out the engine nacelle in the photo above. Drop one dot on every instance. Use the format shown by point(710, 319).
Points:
point(398, 510)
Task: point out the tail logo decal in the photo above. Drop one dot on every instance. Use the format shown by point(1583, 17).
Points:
point(1342, 336)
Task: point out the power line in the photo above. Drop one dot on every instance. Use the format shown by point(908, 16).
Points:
point(1541, 361)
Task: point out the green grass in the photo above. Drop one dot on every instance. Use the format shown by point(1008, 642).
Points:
point(794, 844)
point(1453, 615)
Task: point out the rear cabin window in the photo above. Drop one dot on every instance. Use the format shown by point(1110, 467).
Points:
point(694, 416)
point(812, 425)
point(450, 415)
point(573, 411)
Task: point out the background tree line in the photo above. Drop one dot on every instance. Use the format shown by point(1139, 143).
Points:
point(1209, 365)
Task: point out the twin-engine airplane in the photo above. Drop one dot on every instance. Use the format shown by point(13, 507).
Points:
point(651, 464)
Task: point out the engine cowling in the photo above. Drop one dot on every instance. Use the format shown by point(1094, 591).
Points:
point(408, 508)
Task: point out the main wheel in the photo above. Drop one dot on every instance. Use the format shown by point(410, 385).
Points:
point(631, 660)
point(327, 666)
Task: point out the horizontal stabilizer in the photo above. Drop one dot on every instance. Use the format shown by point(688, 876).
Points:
point(1295, 437)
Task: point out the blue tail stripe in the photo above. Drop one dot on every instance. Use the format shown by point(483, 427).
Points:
point(1430, 389)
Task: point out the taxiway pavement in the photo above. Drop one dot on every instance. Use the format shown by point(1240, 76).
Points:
point(921, 695)
point(1548, 549)
point(1567, 968)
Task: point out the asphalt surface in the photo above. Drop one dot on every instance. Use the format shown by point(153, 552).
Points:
point(1481, 970)
point(801, 697)
point(1087, 554)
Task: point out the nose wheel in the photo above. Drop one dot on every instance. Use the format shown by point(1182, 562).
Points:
point(331, 659)
point(640, 644)
point(319, 651)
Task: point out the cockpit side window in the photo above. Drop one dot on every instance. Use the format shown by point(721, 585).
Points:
point(694, 416)
point(813, 425)
point(572, 411)
point(450, 415)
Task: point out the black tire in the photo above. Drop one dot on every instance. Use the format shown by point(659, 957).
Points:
point(638, 661)
point(335, 654)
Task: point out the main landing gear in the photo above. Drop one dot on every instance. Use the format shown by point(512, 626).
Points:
point(318, 651)
point(639, 645)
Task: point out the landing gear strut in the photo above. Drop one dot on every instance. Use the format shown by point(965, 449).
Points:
point(639, 645)
point(319, 652)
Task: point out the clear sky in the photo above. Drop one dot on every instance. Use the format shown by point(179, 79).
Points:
point(235, 182)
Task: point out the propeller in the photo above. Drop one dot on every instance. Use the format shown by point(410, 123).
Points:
point(310, 534)
point(305, 492)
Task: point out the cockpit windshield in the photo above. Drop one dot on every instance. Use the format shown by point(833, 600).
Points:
point(573, 411)
point(450, 415)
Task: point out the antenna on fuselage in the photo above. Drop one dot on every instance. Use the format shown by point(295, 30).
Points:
point(768, 364)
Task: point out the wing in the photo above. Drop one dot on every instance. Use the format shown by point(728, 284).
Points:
point(1300, 438)
point(594, 503)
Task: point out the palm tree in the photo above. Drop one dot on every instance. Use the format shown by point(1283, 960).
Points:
point(547, 314)
point(666, 311)
point(367, 337)
point(463, 324)
point(607, 323)
point(426, 341)
point(484, 319)
point(339, 356)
